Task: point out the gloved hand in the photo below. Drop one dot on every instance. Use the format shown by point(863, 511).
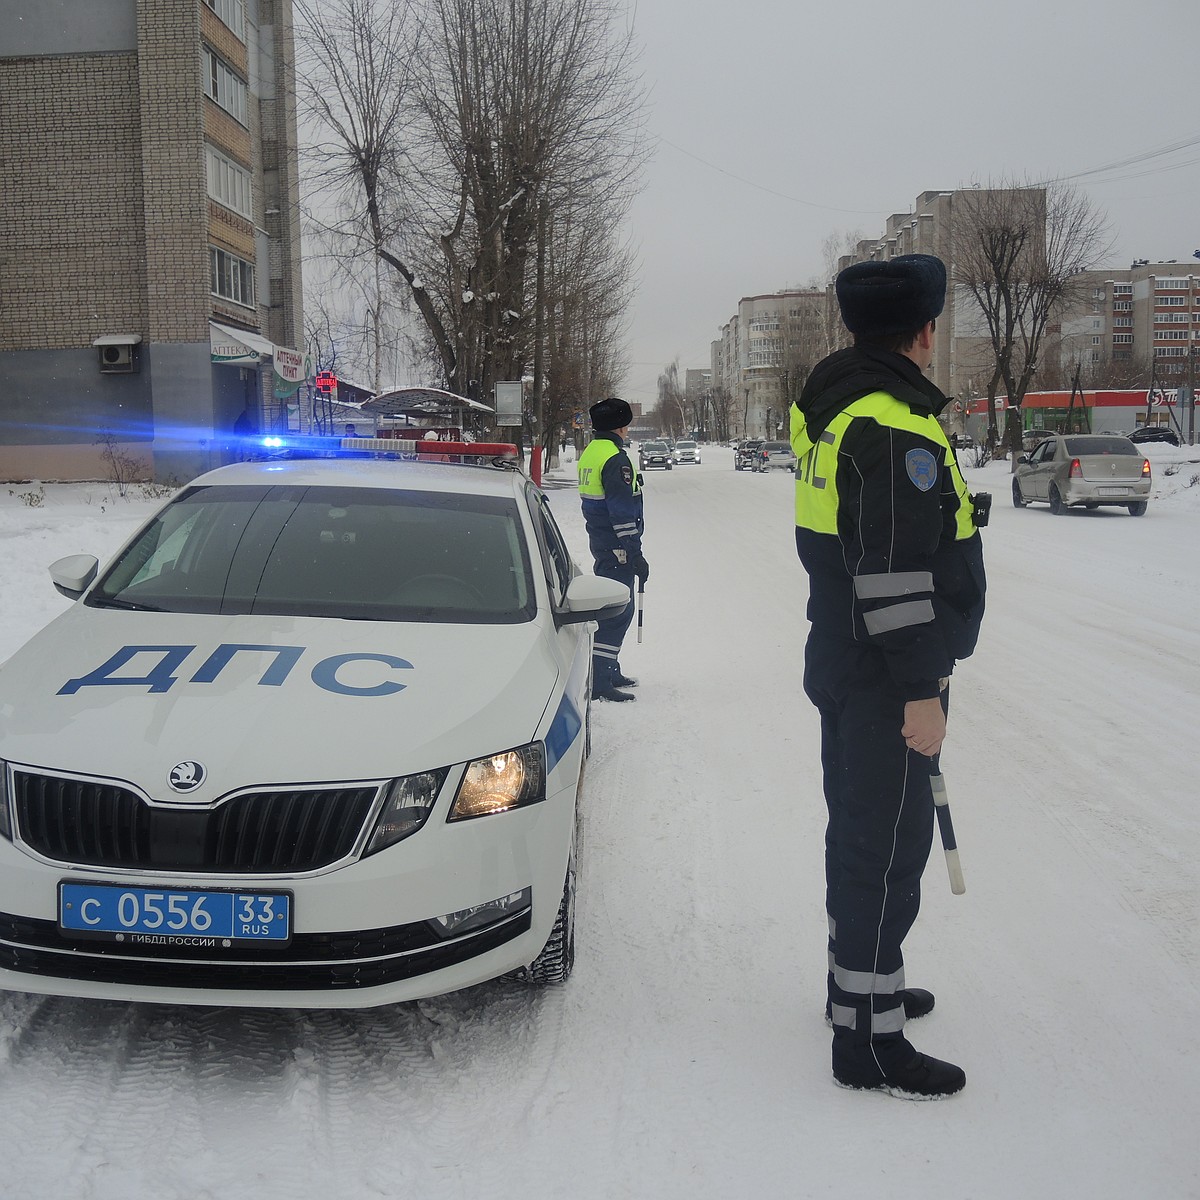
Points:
point(641, 568)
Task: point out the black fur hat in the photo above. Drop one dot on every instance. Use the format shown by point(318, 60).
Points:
point(612, 413)
point(899, 295)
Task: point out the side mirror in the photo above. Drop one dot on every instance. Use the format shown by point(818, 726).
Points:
point(71, 575)
point(1023, 459)
point(592, 598)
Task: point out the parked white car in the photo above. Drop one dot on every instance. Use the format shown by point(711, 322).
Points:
point(313, 738)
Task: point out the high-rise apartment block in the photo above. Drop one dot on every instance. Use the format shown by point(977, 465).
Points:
point(151, 292)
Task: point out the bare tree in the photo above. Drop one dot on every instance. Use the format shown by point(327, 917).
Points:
point(457, 129)
point(1019, 249)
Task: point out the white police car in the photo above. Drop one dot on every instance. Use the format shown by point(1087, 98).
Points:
point(314, 738)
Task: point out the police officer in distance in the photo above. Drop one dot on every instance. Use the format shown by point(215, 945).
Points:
point(610, 491)
point(887, 532)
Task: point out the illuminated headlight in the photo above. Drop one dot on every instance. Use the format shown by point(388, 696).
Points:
point(480, 915)
point(5, 820)
point(408, 802)
point(501, 781)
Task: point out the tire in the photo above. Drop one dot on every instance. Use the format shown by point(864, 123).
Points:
point(1138, 508)
point(554, 964)
point(1019, 501)
point(1057, 507)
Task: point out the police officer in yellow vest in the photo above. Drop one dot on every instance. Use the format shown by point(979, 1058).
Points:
point(887, 532)
point(610, 491)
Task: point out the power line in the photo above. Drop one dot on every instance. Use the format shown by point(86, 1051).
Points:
point(861, 212)
point(1134, 160)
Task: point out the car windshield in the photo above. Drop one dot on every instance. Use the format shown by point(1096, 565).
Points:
point(654, 448)
point(685, 445)
point(1100, 445)
point(357, 553)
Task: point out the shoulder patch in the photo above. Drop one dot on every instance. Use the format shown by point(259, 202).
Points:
point(922, 469)
point(627, 474)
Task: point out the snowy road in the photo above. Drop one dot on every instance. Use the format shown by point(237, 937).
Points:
point(687, 1057)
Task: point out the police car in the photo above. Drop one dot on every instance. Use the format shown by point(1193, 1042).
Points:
point(313, 738)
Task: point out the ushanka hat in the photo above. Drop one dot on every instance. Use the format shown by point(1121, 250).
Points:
point(612, 413)
point(899, 295)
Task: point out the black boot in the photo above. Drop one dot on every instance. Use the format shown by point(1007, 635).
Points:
point(620, 680)
point(611, 693)
point(917, 1078)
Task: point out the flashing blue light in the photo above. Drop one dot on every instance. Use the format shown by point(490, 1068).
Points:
point(273, 443)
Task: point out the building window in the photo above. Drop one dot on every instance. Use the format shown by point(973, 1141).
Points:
point(230, 277)
point(232, 12)
point(223, 86)
point(1122, 339)
point(228, 184)
point(1122, 289)
point(1173, 283)
point(1170, 351)
point(1171, 301)
point(1171, 335)
point(1172, 318)
point(1095, 341)
point(1123, 322)
point(1123, 306)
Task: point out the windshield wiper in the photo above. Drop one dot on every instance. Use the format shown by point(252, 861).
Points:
point(133, 605)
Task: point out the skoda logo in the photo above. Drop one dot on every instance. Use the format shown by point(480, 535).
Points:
point(186, 776)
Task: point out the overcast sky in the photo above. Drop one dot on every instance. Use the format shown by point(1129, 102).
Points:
point(833, 116)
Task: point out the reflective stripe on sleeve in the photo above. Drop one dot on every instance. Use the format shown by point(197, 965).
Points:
point(898, 583)
point(898, 616)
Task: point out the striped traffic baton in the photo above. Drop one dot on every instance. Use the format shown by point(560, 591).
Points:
point(941, 806)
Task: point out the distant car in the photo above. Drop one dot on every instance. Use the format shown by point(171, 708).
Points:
point(962, 441)
point(774, 456)
point(313, 739)
point(1154, 433)
point(744, 452)
point(1033, 438)
point(687, 452)
point(655, 454)
point(1086, 470)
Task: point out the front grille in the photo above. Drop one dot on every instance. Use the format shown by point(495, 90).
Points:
point(92, 823)
point(311, 961)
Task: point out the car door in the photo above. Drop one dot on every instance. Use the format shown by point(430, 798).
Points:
point(1040, 462)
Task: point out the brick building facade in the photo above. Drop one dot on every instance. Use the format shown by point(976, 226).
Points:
point(150, 211)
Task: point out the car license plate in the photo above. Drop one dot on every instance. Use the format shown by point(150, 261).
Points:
point(1113, 491)
point(165, 915)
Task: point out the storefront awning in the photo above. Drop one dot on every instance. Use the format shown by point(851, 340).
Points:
point(237, 346)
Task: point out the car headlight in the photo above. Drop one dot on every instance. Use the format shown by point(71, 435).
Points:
point(5, 819)
point(408, 802)
point(499, 782)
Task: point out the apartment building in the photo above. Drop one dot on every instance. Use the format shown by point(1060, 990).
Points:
point(764, 354)
point(1147, 317)
point(151, 295)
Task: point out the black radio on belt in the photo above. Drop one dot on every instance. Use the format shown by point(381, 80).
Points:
point(981, 507)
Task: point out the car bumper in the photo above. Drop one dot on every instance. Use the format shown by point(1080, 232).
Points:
point(1125, 492)
point(363, 934)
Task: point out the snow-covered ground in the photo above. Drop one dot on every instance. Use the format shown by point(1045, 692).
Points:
point(687, 1057)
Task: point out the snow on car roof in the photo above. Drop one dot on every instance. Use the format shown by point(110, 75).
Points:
point(394, 474)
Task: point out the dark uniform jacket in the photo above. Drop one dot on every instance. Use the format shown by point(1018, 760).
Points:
point(610, 491)
point(884, 522)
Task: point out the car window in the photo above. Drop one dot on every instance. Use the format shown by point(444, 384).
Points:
point(685, 445)
point(776, 447)
point(1100, 445)
point(359, 553)
point(556, 558)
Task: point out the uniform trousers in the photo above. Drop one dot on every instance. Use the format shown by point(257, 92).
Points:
point(610, 633)
point(877, 842)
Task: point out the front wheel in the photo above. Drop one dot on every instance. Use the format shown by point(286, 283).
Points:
point(1138, 508)
point(1019, 501)
point(1057, 507)
point(555, 962)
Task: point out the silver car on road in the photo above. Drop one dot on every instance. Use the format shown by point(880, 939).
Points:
point(1086, 470)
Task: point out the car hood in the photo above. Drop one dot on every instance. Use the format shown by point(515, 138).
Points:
point(267, 700)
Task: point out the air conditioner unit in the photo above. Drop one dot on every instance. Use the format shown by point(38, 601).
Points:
point(116, 360)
